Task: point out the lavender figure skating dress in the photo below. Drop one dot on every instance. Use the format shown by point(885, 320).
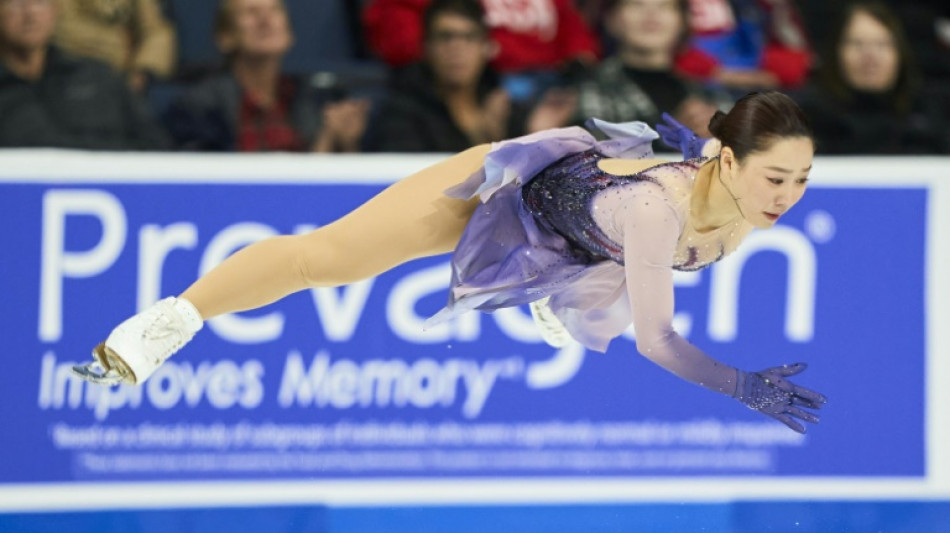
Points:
point(552, 223)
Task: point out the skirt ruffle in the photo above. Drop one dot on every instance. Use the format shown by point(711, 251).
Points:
point(505, 259)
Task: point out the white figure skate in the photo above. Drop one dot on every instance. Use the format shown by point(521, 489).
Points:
point(552, 330)
point(139, 345)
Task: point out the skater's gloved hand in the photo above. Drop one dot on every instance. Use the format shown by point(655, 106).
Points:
point(769, 393)
point(678, 136)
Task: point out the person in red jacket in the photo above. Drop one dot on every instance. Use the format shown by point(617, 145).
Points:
point(531, 35)
point(747, 44)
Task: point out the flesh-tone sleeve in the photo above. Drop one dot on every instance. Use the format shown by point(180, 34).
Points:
point(651, 227)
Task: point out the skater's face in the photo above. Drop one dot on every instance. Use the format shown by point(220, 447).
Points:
point(767, 183)
point(868, 54)
point(255, 28)
point(647, 25)
point(457, 49)
point(27, 24)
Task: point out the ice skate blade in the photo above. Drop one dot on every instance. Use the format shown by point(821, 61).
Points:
point(105, 369)
point(94, 373)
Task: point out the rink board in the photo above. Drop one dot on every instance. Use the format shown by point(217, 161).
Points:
point(340, 397)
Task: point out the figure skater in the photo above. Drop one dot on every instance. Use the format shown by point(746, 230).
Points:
point(587, 232)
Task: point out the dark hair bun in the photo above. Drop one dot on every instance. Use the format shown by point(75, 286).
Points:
point(715, 124)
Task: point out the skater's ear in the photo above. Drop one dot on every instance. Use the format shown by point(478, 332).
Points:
point(728, 163)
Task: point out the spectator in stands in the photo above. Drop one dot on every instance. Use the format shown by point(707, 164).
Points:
point(452, 100)
point(253, 106)
point(50, 99)
point(638, 81)
point(747, 44)
point(865, 99)
point(131, 35)
point(536, 40)
point(928, 22)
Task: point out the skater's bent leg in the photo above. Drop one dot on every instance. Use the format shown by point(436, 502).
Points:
point(412, 218)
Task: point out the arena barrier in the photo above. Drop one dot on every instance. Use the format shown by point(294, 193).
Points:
point(340, 397)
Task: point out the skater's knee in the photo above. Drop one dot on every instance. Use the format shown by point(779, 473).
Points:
point(322, 260)
point(310, 266)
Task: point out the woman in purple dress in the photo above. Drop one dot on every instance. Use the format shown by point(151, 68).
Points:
point(588, 232)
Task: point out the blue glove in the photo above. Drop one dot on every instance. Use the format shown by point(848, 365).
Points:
point(769, 393)
point(678, 136)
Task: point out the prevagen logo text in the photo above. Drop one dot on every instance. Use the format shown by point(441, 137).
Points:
point(320, 380)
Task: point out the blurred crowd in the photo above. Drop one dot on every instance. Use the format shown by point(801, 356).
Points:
point(443, 75)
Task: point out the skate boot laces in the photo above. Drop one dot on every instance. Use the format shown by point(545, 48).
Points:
point(165, 334)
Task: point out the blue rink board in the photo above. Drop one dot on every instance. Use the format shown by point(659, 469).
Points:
point(738, 517)
point(862, 249)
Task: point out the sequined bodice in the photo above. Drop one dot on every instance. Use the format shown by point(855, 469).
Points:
point(567, 195)
point(560, 199)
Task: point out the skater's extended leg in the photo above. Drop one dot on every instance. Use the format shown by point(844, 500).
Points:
point(412, 218)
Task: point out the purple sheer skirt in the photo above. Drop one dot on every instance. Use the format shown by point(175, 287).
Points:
point(505, 258)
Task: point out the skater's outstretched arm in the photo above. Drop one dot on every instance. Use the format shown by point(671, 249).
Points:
point(410, 219)
point(651, 230)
